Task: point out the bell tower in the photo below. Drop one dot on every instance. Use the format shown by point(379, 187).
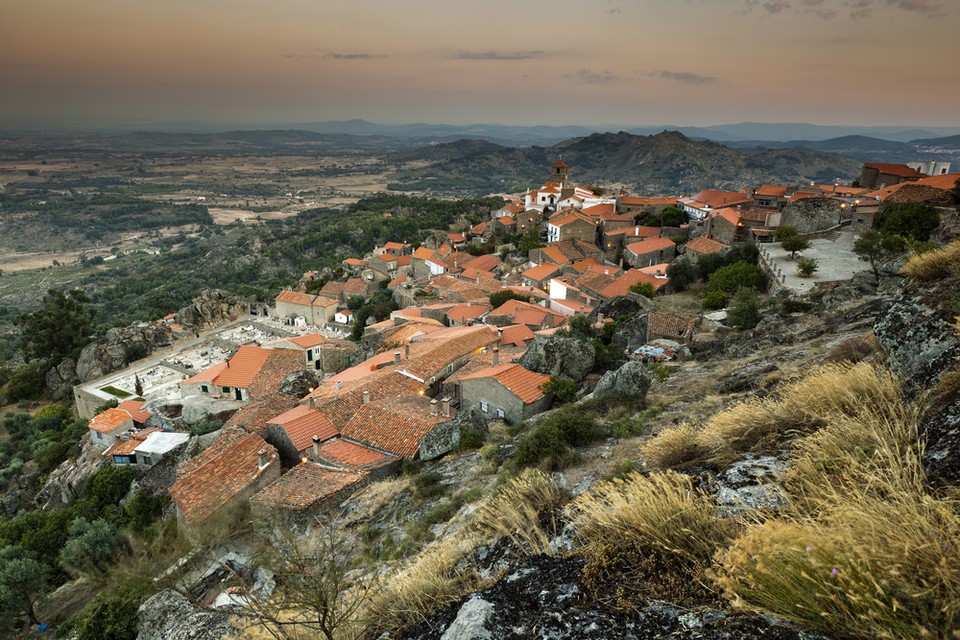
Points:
point(560, 172)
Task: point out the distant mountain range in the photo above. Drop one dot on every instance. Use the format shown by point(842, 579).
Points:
point(665, 163)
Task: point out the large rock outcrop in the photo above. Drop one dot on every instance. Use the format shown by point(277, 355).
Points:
point(63, 484)
point(632, 378)
point(119, 347)
point(560, 356)
point(213, 307)
point(168, 615)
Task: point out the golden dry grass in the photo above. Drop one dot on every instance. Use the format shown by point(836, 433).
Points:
point(416, 591)
point(866, 550)
point(861, 389)
point(662, 510)
point(934, 264)
point(514, 512)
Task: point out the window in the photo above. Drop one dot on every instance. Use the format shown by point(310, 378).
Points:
point(148, 461)
point(500, 414)
point(204, 388)
point(484, 407)
point(309, 356)
point(98, 435)
point(225, 389)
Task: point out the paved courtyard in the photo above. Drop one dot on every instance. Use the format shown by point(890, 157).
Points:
point(835, 261)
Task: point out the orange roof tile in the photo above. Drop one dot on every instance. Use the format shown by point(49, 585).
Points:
point(303, 423)
point(517, 334)
point(396, 427)
point(305, 299)
point(385, 385)
point(638, 201)
point(523, 383)
point(253, 417)
point(704, 244)
point(621, 286)
point(541, 272)
point(243, 367)
point(555, 255)
point(483, 263)
point(125, 445)
point(109, 420)
point(308, 340)
point(771, 191)
point(464, 312)
point(650, 244)
point(900, 170)
point(207, 375)
point(350, 455)
point(135, 409)
point(715, 199)
point(217, 475)
point(729, 214)
point(305, 485)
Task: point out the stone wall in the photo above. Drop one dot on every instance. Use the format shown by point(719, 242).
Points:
point(812, 214)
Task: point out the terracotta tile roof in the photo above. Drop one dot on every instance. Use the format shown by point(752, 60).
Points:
point(541, 272)
point(355, 262)
point(305, 299)
point(715, 199)
point(483, 263)
point(432, 363)
point(109, 420)
point(207, 375)
point(480, 229)
point(506, 220)
point(473, 274)
point(303, 423)
point(638, 201)
point(396, 427)
point(669, 325)
point(577, 216)
point(729, 214)
point(621, 286)
point(900, 170)
point(308, 340)
point(457, 238)
point(463, 312)
point(528, 291)
point(352, 456)
point(135, 409)
point(803, 195)
point(239, 371)
point(253, 417)
point(771, 191)
point(217, 475)
point(584, 265)
point(521, 382)
point(555, 255)
point(386, 385)
point(279, 364)
point(704, 244)
point(649, 245)
point(305, 485)
point(399, 280)
point(128, 442)
point(518, 334)
point(355, 285)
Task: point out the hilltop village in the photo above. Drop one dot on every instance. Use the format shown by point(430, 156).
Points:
point(310, 397)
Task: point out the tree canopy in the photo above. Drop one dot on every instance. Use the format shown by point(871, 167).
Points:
point(59, 329)
point(913, 220)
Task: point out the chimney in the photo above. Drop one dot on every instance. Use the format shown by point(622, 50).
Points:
point(445, 407)
point(366, 397)
point(262, 458)
point(433, 407)
point(312, 402)
point(339, 385)
point(406, 352)
point(316, 445)
point(496, 356)
point(396, 357)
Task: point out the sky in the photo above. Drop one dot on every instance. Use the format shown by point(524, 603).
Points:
point(525, 62)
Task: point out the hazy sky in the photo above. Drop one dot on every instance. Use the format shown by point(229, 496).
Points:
point(684, 62)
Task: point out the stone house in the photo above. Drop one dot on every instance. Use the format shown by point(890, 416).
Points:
point(508, 392)
point(107, 426)
point(320, 353)
point(702, 246)
point(571, 224)
point(297, 432)
point(228, 473)
point(670, 326)
point(315, 310)
point(876, 175)
point(649, 252)
point(144, 447)
point(725, 225)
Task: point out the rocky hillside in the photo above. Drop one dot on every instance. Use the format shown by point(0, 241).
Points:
point(668, 162)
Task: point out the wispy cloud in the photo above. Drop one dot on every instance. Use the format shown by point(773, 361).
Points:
point(931, 9)
point(615, 11)
point(682, 76)
point(776, 6)
point(491, 54)
point(331, 55)
point(589, 76)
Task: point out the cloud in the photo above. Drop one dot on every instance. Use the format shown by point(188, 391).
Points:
point(588, 76)
point(931, 9)
point(490, 54)
point(776, 6)
point(615, 11)
point(332, 55)
point(684, 77)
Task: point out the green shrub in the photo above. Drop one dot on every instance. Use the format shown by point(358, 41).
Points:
point(562, 389)
point(806, 267)
point(112, 614)
point(744, 310)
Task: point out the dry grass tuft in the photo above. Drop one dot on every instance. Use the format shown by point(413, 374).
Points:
point(419, 590)
point(934, 264)
point(649, 537)
point(853, 350)
point(673, 447)
point(515, 512)
point(868, 551)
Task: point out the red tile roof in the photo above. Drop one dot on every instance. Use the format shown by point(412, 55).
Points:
point(771, 191)
point(669, 325)
point(649, 245)
point(900, 170)
point(729, 214)
point(125, 445)
point(704, 244)
point(541, 272)
point(715, 199)
point(304, 299)
point(135, 409)
point(307, 484)
point(396, 427)
point(521, 382)
point(621, 286)
point(352, 456)
point(340, 408)
point(483, 263)
point(303, 423)
point(308, 340)
point(218, 474)
point(518, 334)
point(463, 312)
point(279, 364)
point(109, 420)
